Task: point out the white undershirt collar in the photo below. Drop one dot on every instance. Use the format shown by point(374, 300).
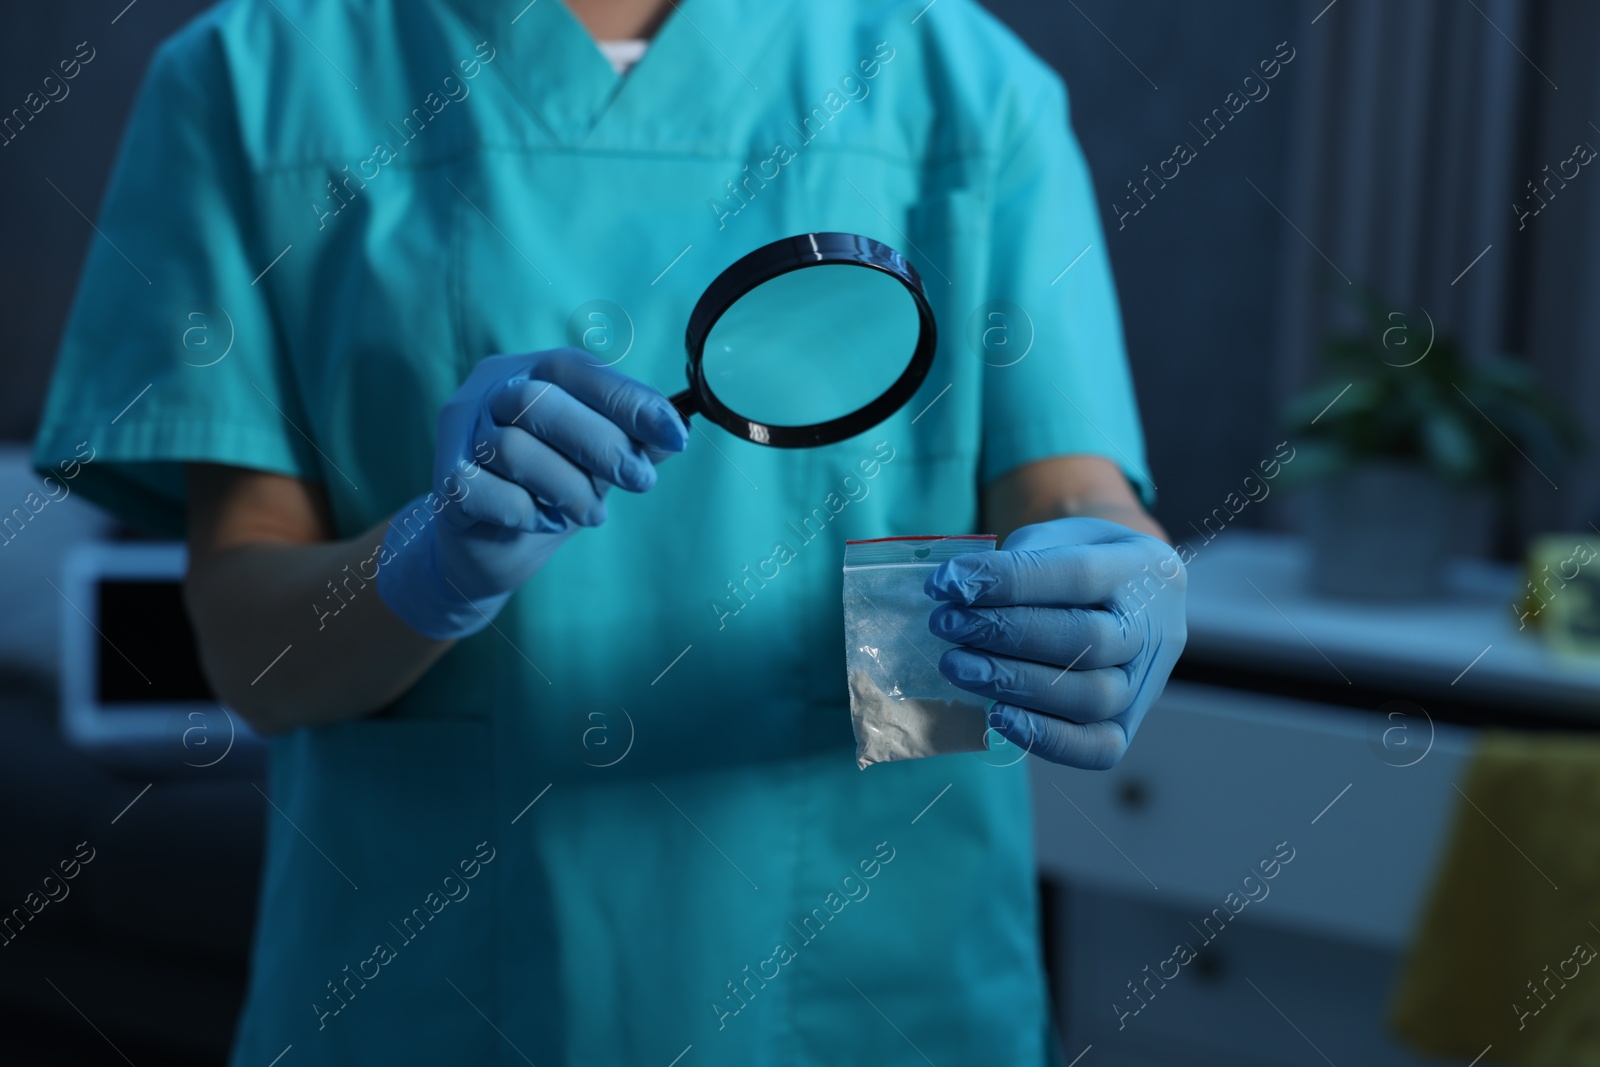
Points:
point(622, 55)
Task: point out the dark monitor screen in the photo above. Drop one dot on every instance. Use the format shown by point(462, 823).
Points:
point(147, 649)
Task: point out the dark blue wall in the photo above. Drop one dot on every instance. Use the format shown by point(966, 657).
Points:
point(1197, 268)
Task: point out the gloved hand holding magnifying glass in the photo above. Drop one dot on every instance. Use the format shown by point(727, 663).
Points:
point(530, 445)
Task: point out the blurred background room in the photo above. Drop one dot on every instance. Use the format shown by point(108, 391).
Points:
point(1356, 246)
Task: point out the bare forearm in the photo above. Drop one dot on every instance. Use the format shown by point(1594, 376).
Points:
point(1133, 515)
point(295, 635)
point(1005, 520)
point(1065, 487)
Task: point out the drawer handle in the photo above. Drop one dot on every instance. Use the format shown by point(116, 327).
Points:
point(1133, 794)
point(1209, 965)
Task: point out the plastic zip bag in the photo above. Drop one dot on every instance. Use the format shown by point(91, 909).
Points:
point(900, 705)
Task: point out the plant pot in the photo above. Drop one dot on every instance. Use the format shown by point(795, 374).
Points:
point(1380, 532)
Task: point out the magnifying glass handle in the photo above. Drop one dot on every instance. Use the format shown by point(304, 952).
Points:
point(684, 403)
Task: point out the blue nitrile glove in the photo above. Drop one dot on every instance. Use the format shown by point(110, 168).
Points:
point(1081, 593)
point(528, 447)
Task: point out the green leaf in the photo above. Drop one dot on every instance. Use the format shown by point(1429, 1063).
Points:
point(1450, 447)
point(1361, 397)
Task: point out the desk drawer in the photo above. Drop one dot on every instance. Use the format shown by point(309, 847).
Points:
point(1255, 996)
point(1218, 778)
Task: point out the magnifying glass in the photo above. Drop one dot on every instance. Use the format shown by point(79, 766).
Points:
point(808, 340)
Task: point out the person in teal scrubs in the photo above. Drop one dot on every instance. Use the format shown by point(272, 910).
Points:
point(379, 314)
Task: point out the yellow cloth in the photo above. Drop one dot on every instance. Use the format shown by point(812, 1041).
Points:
point(1505, 952)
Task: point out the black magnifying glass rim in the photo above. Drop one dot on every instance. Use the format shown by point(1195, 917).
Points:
point(763, 265)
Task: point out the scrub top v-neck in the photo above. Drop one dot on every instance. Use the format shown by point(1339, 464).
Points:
point(625, 822)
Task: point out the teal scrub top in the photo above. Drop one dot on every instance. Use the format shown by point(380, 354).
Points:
point(625, 824)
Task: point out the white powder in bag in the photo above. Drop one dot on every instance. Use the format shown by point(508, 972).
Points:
point(895, 728)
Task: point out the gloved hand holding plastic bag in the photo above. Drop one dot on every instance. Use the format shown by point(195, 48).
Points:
point(1072, 629)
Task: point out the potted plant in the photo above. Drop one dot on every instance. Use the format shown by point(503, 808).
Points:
point(1401, 428)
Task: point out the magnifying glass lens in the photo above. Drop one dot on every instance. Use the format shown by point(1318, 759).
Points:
point(811, 345)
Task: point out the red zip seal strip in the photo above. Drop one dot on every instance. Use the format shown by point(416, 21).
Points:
point(927, 537)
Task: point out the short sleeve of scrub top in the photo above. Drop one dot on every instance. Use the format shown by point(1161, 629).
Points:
point(172, 352)
point(1056, 379)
